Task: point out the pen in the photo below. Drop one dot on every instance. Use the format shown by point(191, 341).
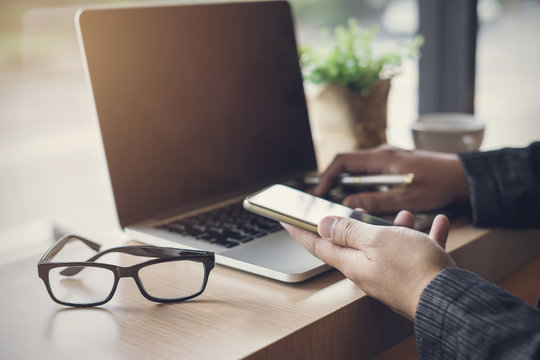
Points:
point(361, 181)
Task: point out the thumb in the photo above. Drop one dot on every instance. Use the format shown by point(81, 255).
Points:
point(439, 230)
point(376, 201)
point(343, 231)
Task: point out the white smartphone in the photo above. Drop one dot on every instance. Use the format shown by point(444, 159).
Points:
point(295, 207)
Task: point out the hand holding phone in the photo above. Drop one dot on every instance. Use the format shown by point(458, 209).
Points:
point(295, 207)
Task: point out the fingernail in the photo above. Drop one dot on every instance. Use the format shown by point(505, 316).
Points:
point(325, 227)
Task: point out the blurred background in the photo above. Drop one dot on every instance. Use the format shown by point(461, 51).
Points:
point(51, 161)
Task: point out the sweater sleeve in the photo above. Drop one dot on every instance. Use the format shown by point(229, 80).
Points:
point(462, 316)
point(505, 186)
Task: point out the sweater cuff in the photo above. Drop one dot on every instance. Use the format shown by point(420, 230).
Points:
point(498, 180)
point(439, 294)
point(481, 181)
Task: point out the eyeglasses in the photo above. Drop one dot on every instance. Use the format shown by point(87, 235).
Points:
point(173, 275)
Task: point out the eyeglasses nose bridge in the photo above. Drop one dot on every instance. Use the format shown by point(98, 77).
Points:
point(127, 272)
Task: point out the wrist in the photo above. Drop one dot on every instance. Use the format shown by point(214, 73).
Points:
point(461, 185)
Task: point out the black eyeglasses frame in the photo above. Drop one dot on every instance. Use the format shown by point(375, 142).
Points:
point(162, 254)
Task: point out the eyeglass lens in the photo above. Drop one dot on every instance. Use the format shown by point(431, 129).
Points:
point(172, 279)
point(87, 286)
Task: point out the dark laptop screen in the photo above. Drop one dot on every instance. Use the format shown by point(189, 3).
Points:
point(195, 101)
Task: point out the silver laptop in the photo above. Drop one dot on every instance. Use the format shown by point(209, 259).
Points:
point(199, 106)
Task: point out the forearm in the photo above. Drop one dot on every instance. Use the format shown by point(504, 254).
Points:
point(461, 315)
point(505, 186)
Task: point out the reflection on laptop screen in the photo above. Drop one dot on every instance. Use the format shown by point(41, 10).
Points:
point(195, 101)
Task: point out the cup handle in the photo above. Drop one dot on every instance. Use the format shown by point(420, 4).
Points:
point(468, 142)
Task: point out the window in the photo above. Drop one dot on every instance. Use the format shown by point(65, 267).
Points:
point(51, 162)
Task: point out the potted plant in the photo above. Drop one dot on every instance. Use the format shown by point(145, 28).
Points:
point(352, 85)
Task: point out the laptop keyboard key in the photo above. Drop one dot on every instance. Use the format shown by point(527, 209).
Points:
point(246, 238)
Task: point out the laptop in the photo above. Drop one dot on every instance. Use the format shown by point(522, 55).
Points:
point(199, 106)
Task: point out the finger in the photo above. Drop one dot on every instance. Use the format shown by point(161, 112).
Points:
point(376, 201)
point(345, 231)
point(439, 230)
point(325, 250)
point(354, 162)
point(404, 218)
point(329, 176)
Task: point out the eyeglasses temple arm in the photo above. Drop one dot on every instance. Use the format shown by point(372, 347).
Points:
point(56, 247)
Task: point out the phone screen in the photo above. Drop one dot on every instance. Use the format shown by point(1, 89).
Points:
point(305, 207)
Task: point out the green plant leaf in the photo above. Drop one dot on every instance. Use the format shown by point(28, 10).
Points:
point(348, 59)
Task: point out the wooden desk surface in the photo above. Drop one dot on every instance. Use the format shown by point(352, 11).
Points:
point(239, 315)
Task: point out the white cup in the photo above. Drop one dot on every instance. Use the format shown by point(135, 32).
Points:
point(448, 132)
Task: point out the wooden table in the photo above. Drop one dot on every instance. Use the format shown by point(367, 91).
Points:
point(238, 316)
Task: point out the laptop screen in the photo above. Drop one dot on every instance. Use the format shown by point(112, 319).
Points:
point(195, 101)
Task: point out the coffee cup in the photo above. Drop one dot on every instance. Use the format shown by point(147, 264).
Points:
point(448, 132)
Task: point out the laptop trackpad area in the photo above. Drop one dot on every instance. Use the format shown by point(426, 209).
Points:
point(278, 252)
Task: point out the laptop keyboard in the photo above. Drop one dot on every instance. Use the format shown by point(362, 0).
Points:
point(228, 226)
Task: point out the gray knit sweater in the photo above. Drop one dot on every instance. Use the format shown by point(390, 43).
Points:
point(461, 315)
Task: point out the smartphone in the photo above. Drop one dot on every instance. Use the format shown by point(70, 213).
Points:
point(295, 207)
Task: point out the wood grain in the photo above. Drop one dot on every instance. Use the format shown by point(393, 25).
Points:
point(239, 316)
